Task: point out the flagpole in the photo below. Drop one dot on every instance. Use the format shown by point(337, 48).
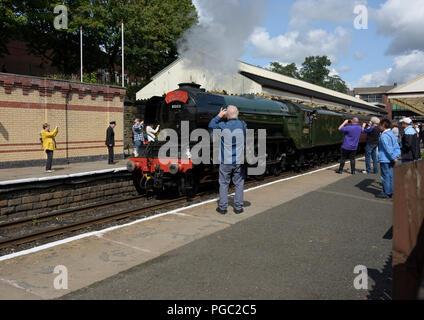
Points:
point(123, 55)
point(81, 51)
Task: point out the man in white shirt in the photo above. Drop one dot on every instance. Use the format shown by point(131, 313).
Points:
point(151, 133)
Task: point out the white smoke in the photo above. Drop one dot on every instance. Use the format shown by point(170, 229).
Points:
point(220, 38)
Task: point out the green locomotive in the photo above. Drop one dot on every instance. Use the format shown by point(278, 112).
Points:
point(297, 135)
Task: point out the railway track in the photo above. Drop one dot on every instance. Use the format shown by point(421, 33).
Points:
point(54, 230)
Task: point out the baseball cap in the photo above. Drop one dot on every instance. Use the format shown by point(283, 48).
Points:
point(406, 120)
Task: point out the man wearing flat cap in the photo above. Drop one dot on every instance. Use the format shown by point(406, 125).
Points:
point(410, 144)
point(110, 140)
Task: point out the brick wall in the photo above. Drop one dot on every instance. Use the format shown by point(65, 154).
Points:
point(82, 111)
point(131, 112)
point(34, 199)
point(408, 230)
point(389, 106)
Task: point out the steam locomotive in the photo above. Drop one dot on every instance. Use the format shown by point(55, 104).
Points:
point(297, 136)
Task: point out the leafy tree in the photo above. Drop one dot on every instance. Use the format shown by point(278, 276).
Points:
point(337, 84)
point(314, 70)
point(289, 70)
point(151, 30)
point(9, 24)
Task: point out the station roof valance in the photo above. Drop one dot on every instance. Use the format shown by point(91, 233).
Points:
point(280, 82)
point(409, 95)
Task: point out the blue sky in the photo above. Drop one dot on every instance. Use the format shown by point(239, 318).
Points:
point(389, 50)
point(387, 19)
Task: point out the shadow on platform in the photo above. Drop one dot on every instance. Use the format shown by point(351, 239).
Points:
point(369, 185)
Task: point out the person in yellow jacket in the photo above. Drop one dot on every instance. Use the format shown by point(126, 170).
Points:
point(49, 144)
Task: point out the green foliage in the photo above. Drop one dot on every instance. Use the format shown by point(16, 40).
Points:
point(314, 70)
point(337, 84)
point(90, 78)
point(152, 28)
point(9, 24)
point(289, 70)
point(131, 90)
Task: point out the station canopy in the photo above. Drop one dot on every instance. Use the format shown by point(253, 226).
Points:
point(409, 95)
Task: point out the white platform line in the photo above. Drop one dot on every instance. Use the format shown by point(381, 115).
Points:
point(175, 211)
point(52, 178)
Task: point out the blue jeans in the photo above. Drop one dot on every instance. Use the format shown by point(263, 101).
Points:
point(225, 171)
point(387, 177)
point(138, 144)
point(371, 153)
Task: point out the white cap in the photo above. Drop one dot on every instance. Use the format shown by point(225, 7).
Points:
point(406, 120)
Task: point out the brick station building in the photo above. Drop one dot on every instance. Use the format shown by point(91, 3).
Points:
point(377, 96)
point(82, 112)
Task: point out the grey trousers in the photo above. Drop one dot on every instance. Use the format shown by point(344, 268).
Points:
point(225, 172)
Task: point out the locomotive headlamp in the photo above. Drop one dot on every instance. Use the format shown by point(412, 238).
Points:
point(130, 166)
point(173, 168)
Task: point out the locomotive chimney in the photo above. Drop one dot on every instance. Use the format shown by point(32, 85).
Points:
point(190, 85)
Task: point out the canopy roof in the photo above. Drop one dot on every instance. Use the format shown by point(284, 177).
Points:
point(409, 95)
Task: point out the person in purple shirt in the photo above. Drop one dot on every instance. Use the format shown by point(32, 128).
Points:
point(352, 134)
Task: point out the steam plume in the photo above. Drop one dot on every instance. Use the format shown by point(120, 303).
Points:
point(220, 38)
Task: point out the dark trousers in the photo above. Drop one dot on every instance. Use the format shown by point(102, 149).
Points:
point(49, 159)
point(348, 154)
point(110, 152)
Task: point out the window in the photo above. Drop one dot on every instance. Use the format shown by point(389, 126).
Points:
point(373, 98)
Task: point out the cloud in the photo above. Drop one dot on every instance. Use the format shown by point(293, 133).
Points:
point(359, 55)
point(304, 12)
point(344, 69)
point(294, 46)
point(403, 20)
point(405, 68)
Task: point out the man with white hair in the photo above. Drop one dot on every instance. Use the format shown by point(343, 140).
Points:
point(410, 146)
point(372, 129)
point(233, 137)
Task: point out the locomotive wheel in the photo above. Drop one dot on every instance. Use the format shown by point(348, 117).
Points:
point(137, 183)
point(259, 177)
point(300, 161)
point(276, 170)
point(191, 183)
point(325, 157)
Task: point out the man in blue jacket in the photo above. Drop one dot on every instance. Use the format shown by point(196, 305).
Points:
point(388, 155)
point(233, 137)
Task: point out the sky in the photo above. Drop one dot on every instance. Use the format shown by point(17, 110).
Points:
point(370, 42)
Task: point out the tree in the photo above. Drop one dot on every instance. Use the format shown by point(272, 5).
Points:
point(289, 70)
point(314, 70)
point(151, 30)
point(9, 24)
point(337, 84)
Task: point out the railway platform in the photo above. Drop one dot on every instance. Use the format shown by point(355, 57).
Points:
point(299, 238)
point(33, 174)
